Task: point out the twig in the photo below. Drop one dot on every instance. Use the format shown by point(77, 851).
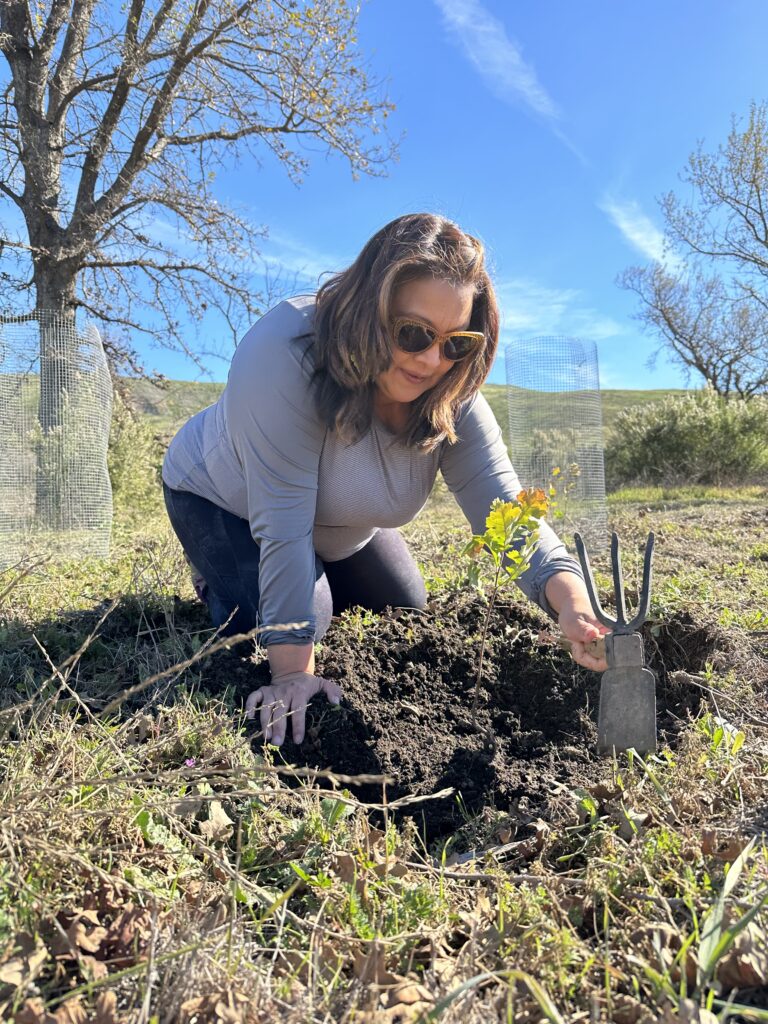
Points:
point(22, 575)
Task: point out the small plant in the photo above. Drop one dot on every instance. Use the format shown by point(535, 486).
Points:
point(561, 487)
point(508, 544)
point(724, 738)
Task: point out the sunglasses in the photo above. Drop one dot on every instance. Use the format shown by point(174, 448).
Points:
point(414, 336)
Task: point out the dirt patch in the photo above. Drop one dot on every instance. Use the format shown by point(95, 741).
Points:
point(408, 685)
point(408, 681)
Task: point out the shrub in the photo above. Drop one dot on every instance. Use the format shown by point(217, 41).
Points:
point(134, 458)
point(700, 437)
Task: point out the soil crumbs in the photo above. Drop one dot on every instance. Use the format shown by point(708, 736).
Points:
point(408, 683)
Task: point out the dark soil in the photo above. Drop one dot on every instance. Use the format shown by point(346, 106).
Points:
point(408, 684)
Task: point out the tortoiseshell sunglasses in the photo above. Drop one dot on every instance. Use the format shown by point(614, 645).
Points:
point(412, 335)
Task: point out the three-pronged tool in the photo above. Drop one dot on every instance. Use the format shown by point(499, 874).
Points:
point(627, 715)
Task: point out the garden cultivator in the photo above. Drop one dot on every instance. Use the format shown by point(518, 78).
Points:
point(627, 715)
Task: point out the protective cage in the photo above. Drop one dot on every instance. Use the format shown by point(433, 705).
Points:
point(55, 413)
point(556, 431)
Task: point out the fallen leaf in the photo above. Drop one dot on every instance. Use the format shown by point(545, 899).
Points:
point(218, 1007)
point(91, 968)
point(190, 1008)
point(26, 964)
point(723, 847)
point(219, 825)
point(84, 938)
point(529, 848)
point(106, 1008)
point(407, 992)
point(385, 865)
point(745, 965)
point(34, 1012)
point(626, 1009)
point(229, 1007)
point(345, 866)
point(369, 965)
point(82, 931)
point(688, 1012)
point(604, 791)
point(403, 1013)
point(71, 1012)
point(659, 943)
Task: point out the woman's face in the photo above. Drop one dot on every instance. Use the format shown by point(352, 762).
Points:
point(444, 306)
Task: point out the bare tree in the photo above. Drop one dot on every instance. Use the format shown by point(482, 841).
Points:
point(727, 218)
point(711, 311)
point(114, 122)
point(721, 334)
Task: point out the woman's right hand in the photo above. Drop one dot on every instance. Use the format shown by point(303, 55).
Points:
point(287, 697)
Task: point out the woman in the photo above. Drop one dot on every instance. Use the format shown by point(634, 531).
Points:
point(338, 412)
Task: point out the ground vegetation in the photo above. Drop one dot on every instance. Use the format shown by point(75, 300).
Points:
point(402, 865)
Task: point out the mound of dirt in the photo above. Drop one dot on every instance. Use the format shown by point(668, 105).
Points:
point(407, 712)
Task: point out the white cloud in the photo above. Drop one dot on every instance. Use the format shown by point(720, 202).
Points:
point(637, 228)
point(531, 308)
point(496, 57)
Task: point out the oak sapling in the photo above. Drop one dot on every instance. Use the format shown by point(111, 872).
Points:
point(510, 539)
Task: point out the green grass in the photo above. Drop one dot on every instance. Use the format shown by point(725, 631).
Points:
point(702, 494)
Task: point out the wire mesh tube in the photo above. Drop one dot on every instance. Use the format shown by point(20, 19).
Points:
point(556, 427)
point(55, 413)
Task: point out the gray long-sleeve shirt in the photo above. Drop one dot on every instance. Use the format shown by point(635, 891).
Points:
point(262, 453)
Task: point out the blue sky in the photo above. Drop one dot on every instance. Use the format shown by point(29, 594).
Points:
point(548, 129)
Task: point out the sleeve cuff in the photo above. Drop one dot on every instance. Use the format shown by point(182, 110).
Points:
point(538, 587)
point(275, 637)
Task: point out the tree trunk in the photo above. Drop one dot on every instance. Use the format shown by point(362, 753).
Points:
point(55, 310)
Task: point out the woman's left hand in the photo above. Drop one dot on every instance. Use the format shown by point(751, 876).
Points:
point(581, 628)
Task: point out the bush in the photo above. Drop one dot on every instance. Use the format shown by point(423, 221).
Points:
point(134, 457)
point(699, 438)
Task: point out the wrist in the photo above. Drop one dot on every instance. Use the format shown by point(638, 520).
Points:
point(282, 677)
point(565, 591)
point(285, 659)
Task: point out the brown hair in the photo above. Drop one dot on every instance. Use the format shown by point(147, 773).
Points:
point(352, 342)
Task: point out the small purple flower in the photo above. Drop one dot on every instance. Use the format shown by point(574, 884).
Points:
point(191, 762)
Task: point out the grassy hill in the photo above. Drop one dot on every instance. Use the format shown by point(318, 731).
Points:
point(169, 406)
point(613, 402)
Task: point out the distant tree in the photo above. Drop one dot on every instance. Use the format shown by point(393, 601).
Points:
point(727, 216)
point(709, 303)
point(704, 326)
point(114, 120)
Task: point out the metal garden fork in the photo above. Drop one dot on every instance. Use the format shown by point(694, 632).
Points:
point(627, 714)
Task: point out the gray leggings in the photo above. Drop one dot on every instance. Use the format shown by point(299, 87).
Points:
point(220, 545)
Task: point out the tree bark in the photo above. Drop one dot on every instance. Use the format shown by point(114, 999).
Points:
point(55, 289)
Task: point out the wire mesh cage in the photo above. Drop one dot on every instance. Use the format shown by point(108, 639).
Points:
point(556, 430)
point(55, 413)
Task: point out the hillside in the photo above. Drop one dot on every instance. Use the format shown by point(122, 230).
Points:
point(170, 406)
